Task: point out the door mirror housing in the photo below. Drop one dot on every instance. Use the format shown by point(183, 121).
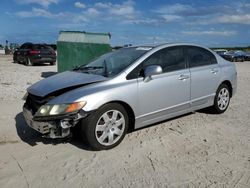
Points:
point(152, 70)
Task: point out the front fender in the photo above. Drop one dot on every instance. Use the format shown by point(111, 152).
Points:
point(101, 93)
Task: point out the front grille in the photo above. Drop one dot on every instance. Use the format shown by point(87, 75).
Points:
point(34, 102)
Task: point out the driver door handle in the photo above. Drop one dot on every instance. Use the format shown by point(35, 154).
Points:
point(183, 77)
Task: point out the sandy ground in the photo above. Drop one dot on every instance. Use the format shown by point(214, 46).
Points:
point(195, 150)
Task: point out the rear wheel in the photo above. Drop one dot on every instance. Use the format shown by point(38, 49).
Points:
point(28, 62)
point(222, 99)
point(52, 63)
point(106, 128)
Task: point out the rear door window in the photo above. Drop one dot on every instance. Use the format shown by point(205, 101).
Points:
point(199, 57)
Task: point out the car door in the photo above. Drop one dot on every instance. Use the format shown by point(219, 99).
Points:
point(168, 93)
point(205, 76)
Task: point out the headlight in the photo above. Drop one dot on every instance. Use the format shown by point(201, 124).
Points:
point(56, 109)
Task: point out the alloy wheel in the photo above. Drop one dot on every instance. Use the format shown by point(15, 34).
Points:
point(110, 127)
point(223, 99)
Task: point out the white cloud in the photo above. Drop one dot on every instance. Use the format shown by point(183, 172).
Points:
point(156, 39)
point(173, 9)
point(125, 9)
point(92, 12)
point(122, 10)
point(79, 5)
point(205, 15)
point(211, 33)
point(80, 18)
point(44, 3)
point(103, 5)
point(234, 19)
point(145, 21)
point(123, 13)
point(223, 19)
point(37, 12)
point(171, 18)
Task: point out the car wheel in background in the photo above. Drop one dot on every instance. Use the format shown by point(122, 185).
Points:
point(28, 62)
point(105, 128)
point(222, 99)
point(52, 63)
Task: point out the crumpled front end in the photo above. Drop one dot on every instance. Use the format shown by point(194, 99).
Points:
point(58, 126)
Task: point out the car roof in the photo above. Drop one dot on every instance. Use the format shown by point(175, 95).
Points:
point(166, 45)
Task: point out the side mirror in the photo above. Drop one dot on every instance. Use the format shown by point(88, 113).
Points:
point(152, 70)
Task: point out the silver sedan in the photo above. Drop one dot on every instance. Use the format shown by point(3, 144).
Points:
point(128, 89)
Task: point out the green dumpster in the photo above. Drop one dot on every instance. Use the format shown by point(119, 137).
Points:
point(76, 48)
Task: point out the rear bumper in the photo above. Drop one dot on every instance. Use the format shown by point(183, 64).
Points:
point(43, 59)
point(35, 58)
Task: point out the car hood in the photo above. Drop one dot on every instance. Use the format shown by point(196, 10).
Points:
point(63, 82)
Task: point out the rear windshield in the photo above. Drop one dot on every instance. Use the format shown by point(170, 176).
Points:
point(41, 47)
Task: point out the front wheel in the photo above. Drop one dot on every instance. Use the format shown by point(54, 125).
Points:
point(107, 127)
point(222, 99)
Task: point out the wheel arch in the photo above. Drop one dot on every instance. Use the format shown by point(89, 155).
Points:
point(229, 85)
point(128, 109)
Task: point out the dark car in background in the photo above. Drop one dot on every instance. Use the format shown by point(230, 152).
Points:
point(53, 46)
point(234, 56)
point(247, 56)
point(31, 54)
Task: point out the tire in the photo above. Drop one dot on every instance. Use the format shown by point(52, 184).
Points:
point(234, 60)
point(28, 62)
point(52, 63)
point(222, 99)
point(109, 121)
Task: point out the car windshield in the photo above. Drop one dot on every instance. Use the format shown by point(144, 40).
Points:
point(230, 52)
point(111, 64)
point(240, 52)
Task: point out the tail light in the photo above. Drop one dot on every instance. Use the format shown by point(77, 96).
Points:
point(34, 52)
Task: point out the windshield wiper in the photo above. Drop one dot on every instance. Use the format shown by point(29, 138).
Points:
point(91, 67)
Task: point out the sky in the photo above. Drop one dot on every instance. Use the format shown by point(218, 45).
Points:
point(212, 23)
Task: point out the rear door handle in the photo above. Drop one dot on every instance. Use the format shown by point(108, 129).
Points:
point(183, 77)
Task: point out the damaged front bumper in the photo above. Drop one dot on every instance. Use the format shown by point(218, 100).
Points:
point(53, 126)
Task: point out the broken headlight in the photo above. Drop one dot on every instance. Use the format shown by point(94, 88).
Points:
point(57, 109)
